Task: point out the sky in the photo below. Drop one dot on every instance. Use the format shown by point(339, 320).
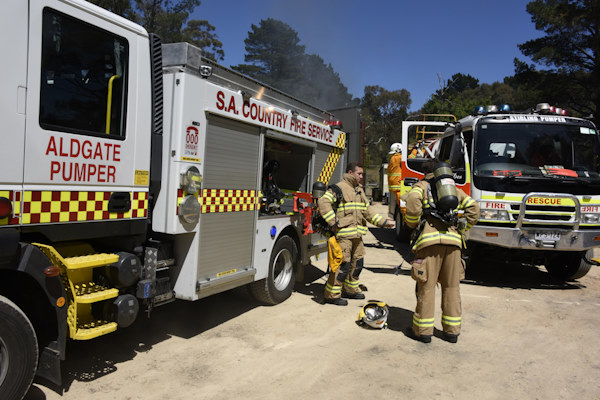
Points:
point(396, 44)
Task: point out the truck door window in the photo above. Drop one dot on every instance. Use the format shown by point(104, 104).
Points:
point(446, 148)
point(84, 75)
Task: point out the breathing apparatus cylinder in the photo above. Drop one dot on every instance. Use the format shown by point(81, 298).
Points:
point(445, 195)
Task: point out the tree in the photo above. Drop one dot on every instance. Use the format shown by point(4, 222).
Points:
point(570, 50)
point(383, 112)
point(169, 20)
point(275, 57)
point(202, 34)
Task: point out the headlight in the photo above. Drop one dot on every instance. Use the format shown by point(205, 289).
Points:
point(494, 215)
point(590, 218)
point(189, 209)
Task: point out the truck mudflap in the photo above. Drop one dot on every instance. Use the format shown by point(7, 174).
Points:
point(530, 232)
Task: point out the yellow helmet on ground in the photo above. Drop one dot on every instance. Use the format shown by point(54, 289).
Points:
point(374, 314)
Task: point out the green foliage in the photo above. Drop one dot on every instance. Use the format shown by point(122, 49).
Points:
point(275, 56)
point(462, 93)
point(202, 34)
point(170, 20)
point(383, 112)
point(569, 51)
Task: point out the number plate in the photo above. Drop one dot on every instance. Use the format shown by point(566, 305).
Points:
point(547, 236)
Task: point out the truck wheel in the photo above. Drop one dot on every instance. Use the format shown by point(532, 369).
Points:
point(18, 351)
point(402, 231)
point(568, 266)
point(278, 286)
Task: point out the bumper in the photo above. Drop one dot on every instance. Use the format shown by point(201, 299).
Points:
point(535, 238)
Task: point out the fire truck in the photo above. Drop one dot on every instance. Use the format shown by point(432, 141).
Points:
point(536, 177)
point(136, 173)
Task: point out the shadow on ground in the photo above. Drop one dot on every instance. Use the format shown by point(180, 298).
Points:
point(485, 271)
point(181, 318)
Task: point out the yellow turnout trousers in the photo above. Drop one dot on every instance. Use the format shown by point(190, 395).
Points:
point(346, 277)
point(433, 264)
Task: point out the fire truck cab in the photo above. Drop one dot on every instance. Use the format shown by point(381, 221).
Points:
point(536, 177)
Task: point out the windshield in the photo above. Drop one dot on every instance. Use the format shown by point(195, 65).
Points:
point(536, 150)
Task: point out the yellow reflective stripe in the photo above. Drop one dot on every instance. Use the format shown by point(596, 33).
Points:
point(468, 201)
point(329, 216)
point(351, 284)
point(417, 189)
point(452, 321)
point(352, 231)
point(395, 187)
point(395, 174)
point(353, 206)
point(435, 236)
point(347, 232)
point(469, 226)
point(329, 196)
point(411, 218)
point(423, 322)
point(376, 219)
point(333, 289)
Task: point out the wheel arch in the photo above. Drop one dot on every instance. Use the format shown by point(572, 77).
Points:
point(23, 282)
point(300, 250)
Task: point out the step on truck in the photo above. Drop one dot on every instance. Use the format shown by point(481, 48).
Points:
point(536, 177)
point(136, 173)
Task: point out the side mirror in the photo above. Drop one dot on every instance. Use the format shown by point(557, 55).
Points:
point(410, 181)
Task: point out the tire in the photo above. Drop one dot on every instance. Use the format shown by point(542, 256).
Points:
point(402, 231)
point(568, 266)
point(278, 286)
point(18, 351)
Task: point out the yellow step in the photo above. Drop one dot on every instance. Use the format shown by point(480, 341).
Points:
point(89, 292)
point(93, 329)
point(91, 261)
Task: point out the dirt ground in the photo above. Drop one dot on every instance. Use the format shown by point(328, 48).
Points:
point(524, 336)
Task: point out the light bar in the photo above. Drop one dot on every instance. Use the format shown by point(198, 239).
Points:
point(545, 108)
point(492, 108)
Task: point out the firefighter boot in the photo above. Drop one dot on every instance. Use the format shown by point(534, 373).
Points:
point(338, 301)
point(450, 338)
point(354, 296)
point(419, 338)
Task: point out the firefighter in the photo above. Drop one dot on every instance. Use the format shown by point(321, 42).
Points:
point(349, 223)
point(431, 207)
point(394, 171)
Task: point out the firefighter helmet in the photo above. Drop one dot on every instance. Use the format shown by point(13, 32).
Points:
point(395, 148)
point(374, 314)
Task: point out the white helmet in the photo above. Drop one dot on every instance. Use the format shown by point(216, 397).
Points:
point(374, 314)
point(395, 148)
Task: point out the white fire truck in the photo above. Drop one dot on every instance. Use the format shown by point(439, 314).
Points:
point(135, 173)
point(536, 177)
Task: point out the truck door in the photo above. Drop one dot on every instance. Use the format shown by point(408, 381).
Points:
point(87, 132)
point(453, 150)
point(13, 41)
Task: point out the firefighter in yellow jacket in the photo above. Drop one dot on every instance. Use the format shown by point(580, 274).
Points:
point(437, 242)
point(349, 223)
point(394, 172)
